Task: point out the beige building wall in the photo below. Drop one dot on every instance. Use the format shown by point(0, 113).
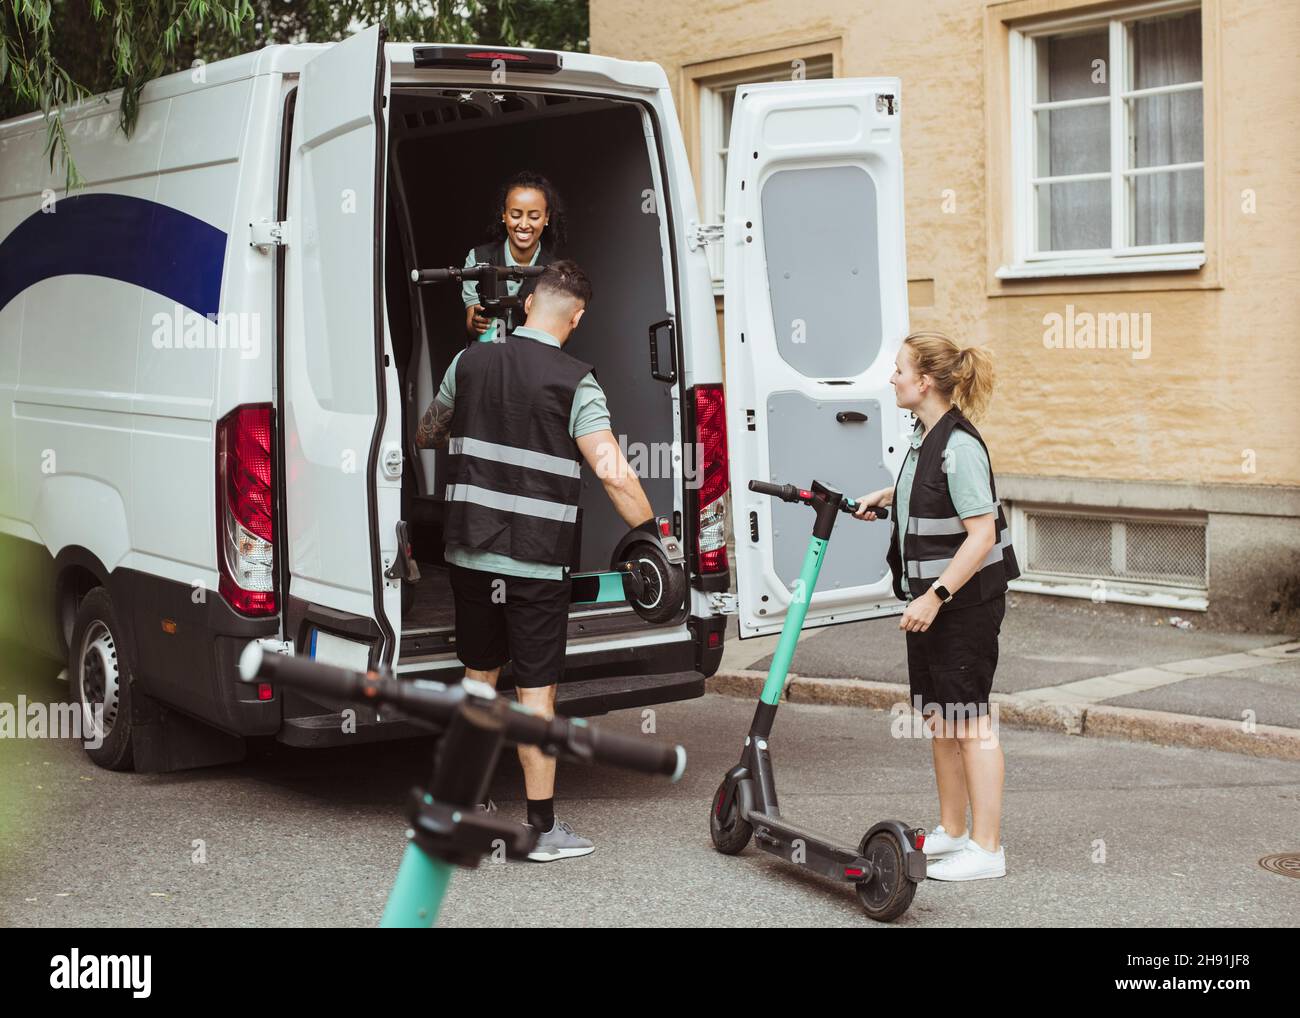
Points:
point(1209, 422)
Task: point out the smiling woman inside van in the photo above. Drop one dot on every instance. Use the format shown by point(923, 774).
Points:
point(527, 229)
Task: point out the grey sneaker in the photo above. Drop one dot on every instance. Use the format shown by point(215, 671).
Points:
point(560, 843)
point(488, 807)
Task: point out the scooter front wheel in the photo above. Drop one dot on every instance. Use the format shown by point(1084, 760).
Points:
point(728, 829)
point(888, 894)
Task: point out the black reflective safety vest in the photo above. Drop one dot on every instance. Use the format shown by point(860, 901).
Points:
point(514, 468)
point(935, 531)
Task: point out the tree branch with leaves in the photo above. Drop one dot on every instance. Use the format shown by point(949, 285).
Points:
point(55, 53)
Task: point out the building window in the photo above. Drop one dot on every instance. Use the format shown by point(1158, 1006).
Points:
point(1137, 557)
point(717, 99)
point(1108, 143)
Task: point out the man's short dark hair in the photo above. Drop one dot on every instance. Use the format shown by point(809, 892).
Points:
point(564, 278)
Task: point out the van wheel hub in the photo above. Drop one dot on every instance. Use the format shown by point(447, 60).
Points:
point(99, 675)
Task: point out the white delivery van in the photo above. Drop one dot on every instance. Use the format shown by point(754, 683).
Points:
point(213, 360)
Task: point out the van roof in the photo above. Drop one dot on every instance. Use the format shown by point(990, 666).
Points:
point(579, 69)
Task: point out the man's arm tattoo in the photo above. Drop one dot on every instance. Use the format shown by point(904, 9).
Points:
point(435, 426)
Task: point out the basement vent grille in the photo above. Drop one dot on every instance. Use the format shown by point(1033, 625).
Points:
point(1141, 550)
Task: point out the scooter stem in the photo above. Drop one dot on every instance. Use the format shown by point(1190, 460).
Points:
point(794, 619)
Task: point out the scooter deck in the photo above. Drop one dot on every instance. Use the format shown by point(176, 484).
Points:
point(818, 852)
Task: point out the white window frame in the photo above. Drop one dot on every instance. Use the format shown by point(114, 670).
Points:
point(713, 179)
point(1120, 257)
point(1154, 593)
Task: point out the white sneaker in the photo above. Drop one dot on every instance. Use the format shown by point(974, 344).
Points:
point(971, 863)
point(939, 843)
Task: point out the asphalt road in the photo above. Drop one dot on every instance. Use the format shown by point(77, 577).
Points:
point(313, 838)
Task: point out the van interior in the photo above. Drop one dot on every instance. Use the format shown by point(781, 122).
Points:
point(450, 151)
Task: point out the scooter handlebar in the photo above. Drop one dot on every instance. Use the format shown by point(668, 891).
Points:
point(459, 273)
point(432, 701)
point(790, 493)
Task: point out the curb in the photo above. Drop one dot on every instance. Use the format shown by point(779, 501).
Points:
point(1065, 718)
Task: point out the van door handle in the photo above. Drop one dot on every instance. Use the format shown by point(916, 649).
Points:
point(850, 417)
point(403, 567)
point(663, 351)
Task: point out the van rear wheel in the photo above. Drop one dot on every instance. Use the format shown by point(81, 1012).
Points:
point(101, 682)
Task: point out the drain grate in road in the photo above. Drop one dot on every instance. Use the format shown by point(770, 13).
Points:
point(1287, 864)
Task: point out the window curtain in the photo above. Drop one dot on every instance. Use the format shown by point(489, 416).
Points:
point(1169, 208)
point(1078, 141)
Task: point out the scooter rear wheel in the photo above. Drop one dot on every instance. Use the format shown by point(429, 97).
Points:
point(664, 587)
point(729, 831)
point(888, 894)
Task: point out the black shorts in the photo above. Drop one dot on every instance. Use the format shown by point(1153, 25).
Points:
point(503, 618)
point(951, 664)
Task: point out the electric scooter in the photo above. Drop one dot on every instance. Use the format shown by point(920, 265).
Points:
point(446, 827)
point(888, 863)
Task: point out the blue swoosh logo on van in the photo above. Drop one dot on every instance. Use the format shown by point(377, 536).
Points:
point(120, 237)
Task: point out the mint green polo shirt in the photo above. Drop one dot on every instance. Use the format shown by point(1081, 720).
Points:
point(968, 480)
point(590, 413)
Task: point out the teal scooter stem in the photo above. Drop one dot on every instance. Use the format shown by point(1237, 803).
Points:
point(418, 890)
point(794, 619)
point(889, 861)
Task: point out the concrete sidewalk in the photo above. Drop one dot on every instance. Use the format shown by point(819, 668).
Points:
point(1072, 666)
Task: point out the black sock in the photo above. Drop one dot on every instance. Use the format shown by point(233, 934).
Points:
point(541, 813)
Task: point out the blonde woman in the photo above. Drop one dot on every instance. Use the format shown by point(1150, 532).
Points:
point(951, 558)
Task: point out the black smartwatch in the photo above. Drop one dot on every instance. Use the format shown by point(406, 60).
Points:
point(942, 591)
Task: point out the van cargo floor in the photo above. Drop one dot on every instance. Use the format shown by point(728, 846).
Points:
point(432, 608)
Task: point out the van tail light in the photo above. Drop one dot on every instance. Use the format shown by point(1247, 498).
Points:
point(245, 507)
point(711, 444)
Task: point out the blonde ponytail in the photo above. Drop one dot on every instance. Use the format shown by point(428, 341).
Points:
point(963, 375)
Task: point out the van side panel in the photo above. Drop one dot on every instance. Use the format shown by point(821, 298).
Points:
point(111, 372)
point(218, 163)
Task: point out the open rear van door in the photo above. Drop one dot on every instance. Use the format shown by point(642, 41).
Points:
point(340, 400)
point(815, 310)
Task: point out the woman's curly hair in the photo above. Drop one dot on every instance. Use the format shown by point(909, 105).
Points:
point(556, 227)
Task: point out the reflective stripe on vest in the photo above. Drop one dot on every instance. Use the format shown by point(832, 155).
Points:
point(521, 505)
point(932, 568)
point(515, 456)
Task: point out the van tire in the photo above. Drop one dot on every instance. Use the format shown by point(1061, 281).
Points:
point(99, 673)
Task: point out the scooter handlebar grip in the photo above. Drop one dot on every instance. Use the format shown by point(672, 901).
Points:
point(650, 756)
point(785, 492)
point(257, 663)
point(430, 275)
point(852, 506)
point(590, 745)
